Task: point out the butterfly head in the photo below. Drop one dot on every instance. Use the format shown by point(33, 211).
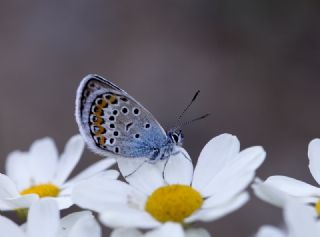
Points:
point(176, 136)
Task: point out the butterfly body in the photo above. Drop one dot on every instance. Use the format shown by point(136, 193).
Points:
point(114, 123)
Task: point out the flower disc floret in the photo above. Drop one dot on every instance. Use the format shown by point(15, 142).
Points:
point(42, 190)
point(173, 203)
point(317, 206)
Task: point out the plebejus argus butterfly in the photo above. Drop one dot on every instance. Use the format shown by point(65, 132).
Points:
point(114, 124)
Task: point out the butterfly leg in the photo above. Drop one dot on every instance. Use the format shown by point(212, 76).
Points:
point(173, 154)
point(184, 155)
point(164, 168)
point(128, 175)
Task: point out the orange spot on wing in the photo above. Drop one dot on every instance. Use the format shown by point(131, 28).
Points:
point(100, 131)
point(99, 111)
point(102, 140)
point(112, 99)
point(99, 121)
point(104, 103)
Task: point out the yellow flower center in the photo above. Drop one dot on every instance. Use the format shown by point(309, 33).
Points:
point(173, 203)
point(318, 207)
point(43, 190)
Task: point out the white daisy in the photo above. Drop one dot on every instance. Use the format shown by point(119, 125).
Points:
point(180, 194)
point(300, 222)
point(44, 221)
point(286, 186)
point(168, 229)
point(41, 173)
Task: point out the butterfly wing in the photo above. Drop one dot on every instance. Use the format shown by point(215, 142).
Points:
point(114, 123)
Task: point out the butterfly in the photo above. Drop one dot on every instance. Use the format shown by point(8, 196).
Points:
point(114, 124)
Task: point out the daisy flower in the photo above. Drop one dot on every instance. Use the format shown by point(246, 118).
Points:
point(42, 173)
point(168, 229)
point(180, 194)
point(286, 186)
point(43, 220)
point(299, 219)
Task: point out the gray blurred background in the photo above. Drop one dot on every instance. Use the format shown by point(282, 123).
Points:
point(255, 62)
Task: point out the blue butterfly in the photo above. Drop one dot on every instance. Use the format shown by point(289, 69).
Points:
point(114, 123)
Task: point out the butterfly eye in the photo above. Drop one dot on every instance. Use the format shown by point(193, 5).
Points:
point(175, 138)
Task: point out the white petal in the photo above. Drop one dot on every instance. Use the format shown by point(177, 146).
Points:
point(117, 217)
point(213, 157)
point(4, 206)
point(198, 232)
point(94, 169)
point(17, 168)
point(129, 166)
point(108, 174)
point(300, 220)
point(98, 193)
point(314, 159)
point(8, 189)
point(269, 193)
point(168, 229)
point(229, 190)
point(270, 231)
point(68, 221)
point(249, 159)
point(64, 202)
point(24, 201)
point(210, 214)
point(85, 227)
point(65, 190)
point(146, 178)
point(235, 175)
point(43, 160)
point(179, 168)
point(292, 186)
point(43, 219)
point(126, 232)
point(9, 229)
point(69, 159)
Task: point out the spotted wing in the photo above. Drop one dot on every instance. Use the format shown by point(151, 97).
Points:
point(114, 123)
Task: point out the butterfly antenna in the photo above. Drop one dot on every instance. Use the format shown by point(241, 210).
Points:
point(193, 120)
point(188, 106)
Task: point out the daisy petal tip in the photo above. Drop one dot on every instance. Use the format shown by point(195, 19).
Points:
point(43, 142)
point(314, 142)
point(77, 141)
point(256, 181)
point(261, 150)
point(226, 136)
point(314, 148)
point(77, 137)
point(314, 158)
point(113, 160)
point(261, 155)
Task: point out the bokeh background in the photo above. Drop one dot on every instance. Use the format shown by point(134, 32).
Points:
point(257, 64)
